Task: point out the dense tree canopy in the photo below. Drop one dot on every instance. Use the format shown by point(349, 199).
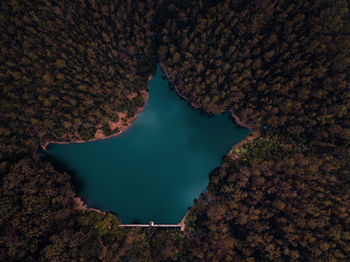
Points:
point(274, 63)
point(70, 68)
point(67, 67)
point(274, 201)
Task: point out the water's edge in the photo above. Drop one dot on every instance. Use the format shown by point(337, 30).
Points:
point(79, 202)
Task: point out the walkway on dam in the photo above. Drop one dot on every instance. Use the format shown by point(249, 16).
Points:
point(151, 224)
point(180, 225)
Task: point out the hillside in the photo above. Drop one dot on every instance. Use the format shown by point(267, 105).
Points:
point(69, 69)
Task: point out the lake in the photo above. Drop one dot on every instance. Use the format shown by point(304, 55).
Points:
point(155, 169)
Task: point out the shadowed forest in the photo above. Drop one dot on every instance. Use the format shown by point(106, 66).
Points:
point(71, 68)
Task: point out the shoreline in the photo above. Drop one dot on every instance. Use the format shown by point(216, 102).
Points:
point(162, 66)
point(234, 116)
point(121, 130)
point(239, 121)
point(250, 137)
point(78, 201)
point(79, 204)
point(182, 222)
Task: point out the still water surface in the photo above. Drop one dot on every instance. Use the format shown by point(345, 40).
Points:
point(155, 169)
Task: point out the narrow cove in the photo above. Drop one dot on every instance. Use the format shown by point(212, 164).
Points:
point(155, 169)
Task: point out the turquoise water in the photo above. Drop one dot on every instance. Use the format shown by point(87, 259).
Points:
point(155, 169)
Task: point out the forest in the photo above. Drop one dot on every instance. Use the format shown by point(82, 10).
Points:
point(70, 68)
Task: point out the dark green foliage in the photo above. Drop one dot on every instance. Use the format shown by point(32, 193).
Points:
point(139, 102)
point(65, 66)
point(281, 64)
point(87, 134)
point(36, 201)
point(106, 130)
point(68, 67)
point(65, 69)
point(275, 205)
point(168, 245)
